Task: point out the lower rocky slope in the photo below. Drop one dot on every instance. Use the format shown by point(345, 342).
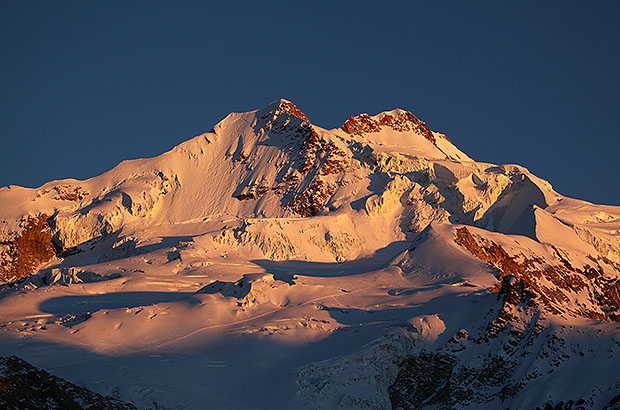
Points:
point(23, 386)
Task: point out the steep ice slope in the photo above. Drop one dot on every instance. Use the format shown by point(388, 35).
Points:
point(274, 261)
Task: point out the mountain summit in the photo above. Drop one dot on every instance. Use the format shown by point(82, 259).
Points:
point(373, 266)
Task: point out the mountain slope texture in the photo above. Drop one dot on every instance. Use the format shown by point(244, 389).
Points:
point(274, 264)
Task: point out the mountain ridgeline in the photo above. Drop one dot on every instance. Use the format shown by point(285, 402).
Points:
point(471, 284)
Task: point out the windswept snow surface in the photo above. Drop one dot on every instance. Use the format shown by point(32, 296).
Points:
point(273, 264)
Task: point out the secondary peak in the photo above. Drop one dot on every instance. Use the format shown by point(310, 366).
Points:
point(285, 106)
point(398, 120)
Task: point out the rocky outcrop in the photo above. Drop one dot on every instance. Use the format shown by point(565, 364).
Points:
point(22, 254)
point(312, 199)
point(534, 275)
point(290, 108)
point(436, 380)
point(402, 122)
point(309, 160)
point(64, 193)
point(23, 386)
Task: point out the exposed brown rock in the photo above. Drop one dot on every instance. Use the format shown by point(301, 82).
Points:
point(253, 193)
point(361, 124)
point(310, 159)
point(312, 199)
point(32, 247)
point(610, 298)
point(292, 109)
point(66, 192)
point(515, 291)
point(565, 279)
point(364, 124)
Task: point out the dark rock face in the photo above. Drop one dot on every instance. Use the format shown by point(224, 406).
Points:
point(30, 248)
point(613, 404)
point(435, 380)
point(23, 386)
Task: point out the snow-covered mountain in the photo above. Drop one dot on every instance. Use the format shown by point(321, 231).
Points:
point(271, 263)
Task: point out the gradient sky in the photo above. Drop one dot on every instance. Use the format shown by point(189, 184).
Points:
point(88, 84)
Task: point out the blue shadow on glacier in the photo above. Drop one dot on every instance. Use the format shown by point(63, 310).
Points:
point(378, 260)
point(79, 304)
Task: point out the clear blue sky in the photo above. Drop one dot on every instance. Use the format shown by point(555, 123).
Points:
point(87, 84)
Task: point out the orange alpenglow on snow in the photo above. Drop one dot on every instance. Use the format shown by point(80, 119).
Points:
point(361, 267)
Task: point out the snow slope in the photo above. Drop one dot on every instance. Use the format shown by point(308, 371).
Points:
point(271, 263)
